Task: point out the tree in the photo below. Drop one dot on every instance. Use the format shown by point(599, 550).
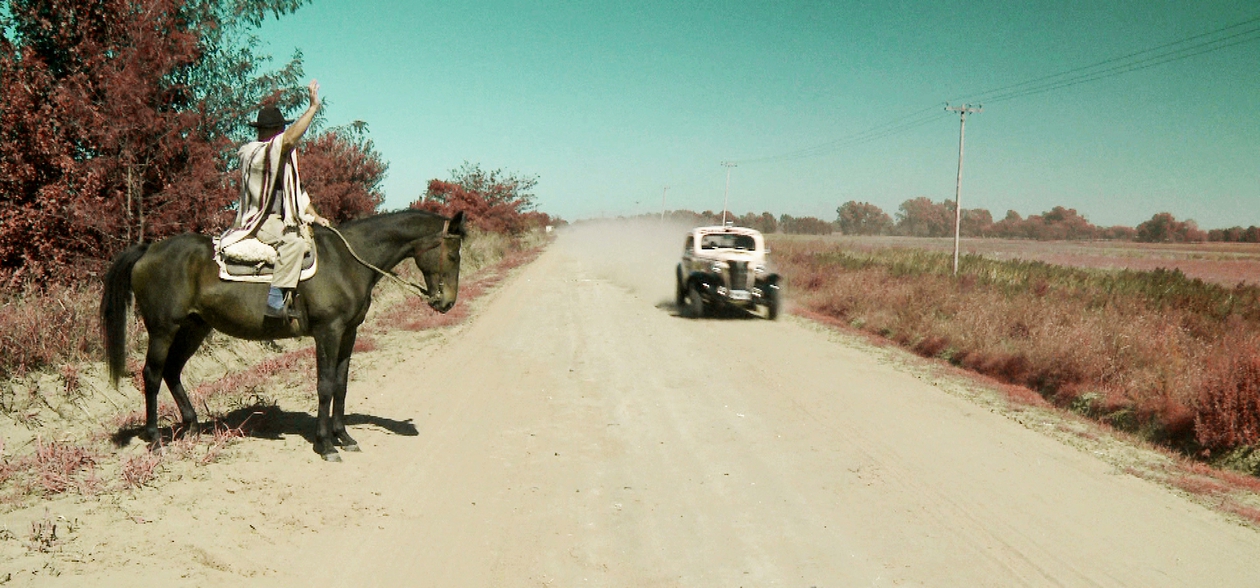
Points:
point(976, 222)
point(920, 217)
point(496, 187)
point(343, 172)
point(764, 222)
point(1012, 226)
point(1165, 228)
point(1057, 223)
point(805, 225)
point(496, 201)
point(112, 122)
point(862, 218)
point(1236, 234)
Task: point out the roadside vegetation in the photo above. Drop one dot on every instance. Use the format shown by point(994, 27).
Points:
point(119, 122)
point(63, 430)
point(1172, 359)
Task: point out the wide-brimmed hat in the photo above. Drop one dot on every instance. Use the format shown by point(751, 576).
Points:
point(270, 117)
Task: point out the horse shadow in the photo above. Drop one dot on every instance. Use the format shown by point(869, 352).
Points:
point(267, 421)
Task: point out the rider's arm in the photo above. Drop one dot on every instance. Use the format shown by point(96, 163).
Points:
point(299, 126)
point(319, 220)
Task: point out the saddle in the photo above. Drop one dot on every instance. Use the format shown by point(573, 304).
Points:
point(251, 260)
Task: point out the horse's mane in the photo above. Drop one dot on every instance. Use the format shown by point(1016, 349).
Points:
point(376, 218)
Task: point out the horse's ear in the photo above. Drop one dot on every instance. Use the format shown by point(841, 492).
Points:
point(456, 227)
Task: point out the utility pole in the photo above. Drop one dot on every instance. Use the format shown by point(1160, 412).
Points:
point(962, 129)
point(663, 192)
point(727, 197)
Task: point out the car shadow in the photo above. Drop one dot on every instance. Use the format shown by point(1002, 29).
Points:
point(268, 421)
point(721, 312)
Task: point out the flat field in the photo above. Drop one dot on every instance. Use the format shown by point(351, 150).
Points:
point(1220, 263)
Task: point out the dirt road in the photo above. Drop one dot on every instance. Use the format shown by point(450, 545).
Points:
point(578, 433)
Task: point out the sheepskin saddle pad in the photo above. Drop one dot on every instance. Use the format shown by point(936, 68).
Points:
point(251, 260)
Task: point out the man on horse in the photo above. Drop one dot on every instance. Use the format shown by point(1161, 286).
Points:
point(273, 207)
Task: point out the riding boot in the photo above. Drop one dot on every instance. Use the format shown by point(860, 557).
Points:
point(277, 304)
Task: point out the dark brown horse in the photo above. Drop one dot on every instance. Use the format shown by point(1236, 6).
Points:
point(179, 295)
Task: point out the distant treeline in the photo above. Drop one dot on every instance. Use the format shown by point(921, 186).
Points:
point(920, 217)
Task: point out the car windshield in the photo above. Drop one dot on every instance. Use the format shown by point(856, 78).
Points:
point(728, 241)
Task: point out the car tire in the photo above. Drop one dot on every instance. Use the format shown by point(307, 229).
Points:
point(772, 304)
point(680, 293)
point(695, 302)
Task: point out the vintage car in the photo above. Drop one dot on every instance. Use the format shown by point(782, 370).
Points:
point(725, 267)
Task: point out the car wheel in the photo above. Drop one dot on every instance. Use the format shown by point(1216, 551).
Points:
point(772, 305)
point(695, 303)
point(680, 293)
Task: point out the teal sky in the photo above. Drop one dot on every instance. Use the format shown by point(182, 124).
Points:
point(609, 102)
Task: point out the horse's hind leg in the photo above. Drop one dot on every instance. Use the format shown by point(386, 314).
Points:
point(154, 365)
point(185, 343)
point(340, 436)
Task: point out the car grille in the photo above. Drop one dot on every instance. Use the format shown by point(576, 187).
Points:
point(739, 275)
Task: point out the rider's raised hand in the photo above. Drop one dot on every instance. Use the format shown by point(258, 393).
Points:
point(313, 89)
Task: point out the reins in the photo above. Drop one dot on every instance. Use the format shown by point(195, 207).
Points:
point(414, 287)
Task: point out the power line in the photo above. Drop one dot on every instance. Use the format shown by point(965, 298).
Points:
point(986, 93)
point(892, 127)
point(1123, 68)
point(1180, 49)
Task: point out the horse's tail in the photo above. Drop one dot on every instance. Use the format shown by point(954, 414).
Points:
point(115, 302)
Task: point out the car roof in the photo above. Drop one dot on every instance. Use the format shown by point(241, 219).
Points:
point(726, 230)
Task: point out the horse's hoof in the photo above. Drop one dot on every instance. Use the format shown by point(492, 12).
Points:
point(333, 457)
point(352, 447)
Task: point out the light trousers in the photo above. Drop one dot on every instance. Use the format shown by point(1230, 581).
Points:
point(291, 247)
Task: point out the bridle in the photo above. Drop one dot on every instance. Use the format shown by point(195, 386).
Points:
point(443, 251)
point(444, 238)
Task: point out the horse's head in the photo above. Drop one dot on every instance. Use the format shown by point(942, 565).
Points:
point(440, 264)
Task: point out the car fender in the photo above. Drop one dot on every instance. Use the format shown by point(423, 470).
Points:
point(700, 279)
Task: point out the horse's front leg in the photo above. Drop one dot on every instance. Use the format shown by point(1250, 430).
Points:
point(327, 348)
point(340, 436)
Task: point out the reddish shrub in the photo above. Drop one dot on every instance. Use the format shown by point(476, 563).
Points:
point(57, 465)
point(931, 346)
point(138, 469)
point(1009, 368)
point(1199, 485)
point(1243, 511)
point(1228, 411)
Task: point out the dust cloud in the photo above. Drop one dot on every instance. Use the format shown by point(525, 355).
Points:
point(637, 254)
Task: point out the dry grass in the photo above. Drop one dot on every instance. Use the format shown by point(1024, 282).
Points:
point(1170, 358)
point(231, 406)
point(52, 327)
point(1220, 263)
point(487, 261)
